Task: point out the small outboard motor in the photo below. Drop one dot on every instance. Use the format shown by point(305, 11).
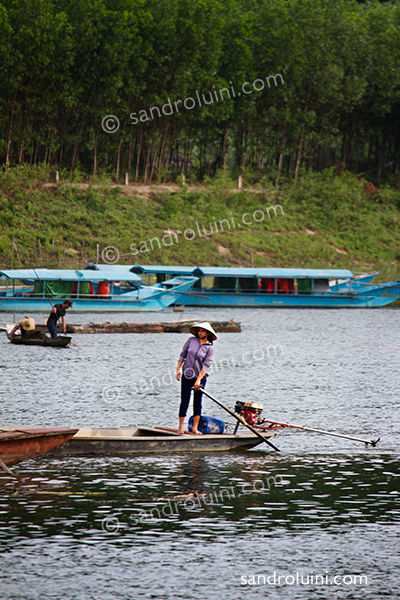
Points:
point(250, 411)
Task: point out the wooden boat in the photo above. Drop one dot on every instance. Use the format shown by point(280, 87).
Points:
point(59, 342)
point(278, 288)
point(144, 440)
point(110, 290)
point(17, 445)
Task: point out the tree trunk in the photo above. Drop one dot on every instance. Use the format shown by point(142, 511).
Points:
point(119, 157)
point(346, 154)
point(280, 161)
point(147, 165)
point(36, 152)
point(130, 152)
point(224, 138)
point(356, 158)
point(163, 149)
point(382, 155)
point(9, 133)
point(210, 160)
point(78, 139)
point(95, 153)
point(138, 155)
point(296, 172)
point(155, 155)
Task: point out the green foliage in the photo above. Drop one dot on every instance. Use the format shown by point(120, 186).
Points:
point(328, 221)
point(67, 64)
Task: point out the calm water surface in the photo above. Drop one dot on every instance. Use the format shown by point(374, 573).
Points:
point(208, 525)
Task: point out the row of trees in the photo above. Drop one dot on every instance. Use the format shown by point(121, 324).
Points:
point(66, 64)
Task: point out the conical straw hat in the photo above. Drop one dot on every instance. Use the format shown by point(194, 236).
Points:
point(27, 324)
point(205, 326)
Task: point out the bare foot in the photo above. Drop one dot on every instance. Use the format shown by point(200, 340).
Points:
point(180, 432)
point(196, 432)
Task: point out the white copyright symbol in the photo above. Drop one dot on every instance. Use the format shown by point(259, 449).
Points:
point(110, 525)
point(110, 255)
point(110, 124)
point(110, 394)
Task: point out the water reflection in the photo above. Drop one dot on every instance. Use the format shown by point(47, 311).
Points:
point(335, 509)
point(296, 492)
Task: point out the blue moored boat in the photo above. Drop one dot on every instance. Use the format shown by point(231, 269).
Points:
point(279, 288)
point(114, 289)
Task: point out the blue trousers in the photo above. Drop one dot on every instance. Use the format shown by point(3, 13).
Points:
point(186, 386)
point(52, 327)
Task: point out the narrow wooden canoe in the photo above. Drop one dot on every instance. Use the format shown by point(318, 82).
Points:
point(17, 445)
point(59, 342)
point(143, 440)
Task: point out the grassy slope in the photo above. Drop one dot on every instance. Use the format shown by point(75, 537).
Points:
point(353, 227)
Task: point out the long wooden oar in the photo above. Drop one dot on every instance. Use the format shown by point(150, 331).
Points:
point(241, 420)
point(6, 469)
point(373, 443)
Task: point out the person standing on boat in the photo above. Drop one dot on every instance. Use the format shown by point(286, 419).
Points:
point(196, 357)
point(26, 324)
point(56, 312)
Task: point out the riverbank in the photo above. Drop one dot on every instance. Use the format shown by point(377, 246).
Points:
point(324, 221)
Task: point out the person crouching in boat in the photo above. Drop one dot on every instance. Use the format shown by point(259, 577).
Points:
point(56, 312)
point(26, 324)
point(196, 357)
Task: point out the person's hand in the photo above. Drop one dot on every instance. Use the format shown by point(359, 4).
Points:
point(197, 384)
point(178, 375)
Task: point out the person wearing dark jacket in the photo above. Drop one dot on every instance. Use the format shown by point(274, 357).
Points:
point(56, 312)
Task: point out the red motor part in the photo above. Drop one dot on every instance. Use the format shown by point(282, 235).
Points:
point(250, 417)
point(250, 411)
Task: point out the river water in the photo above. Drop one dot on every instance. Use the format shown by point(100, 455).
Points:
point(318, 520)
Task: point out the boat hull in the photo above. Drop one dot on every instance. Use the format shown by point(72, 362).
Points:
point(277, 288)
point(363, 299)
point(145, 299)
point(9, 304)
point(18, 445)
point(58, 342)
point(145, 441)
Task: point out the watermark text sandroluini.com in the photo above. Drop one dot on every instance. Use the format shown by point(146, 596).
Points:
point(311, 578)
point(111, 254)
point(111, 123)
point(203, 99)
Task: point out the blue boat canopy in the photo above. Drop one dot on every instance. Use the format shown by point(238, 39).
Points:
point(272, 273)
point(120, 269)
point(166, 270)
point(245, 272)
point(69, 275)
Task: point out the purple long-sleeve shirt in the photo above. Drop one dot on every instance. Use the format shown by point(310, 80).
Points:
point(196, 357)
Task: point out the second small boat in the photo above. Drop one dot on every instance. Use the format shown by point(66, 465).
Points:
point(17, 445)
point(61, 341)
